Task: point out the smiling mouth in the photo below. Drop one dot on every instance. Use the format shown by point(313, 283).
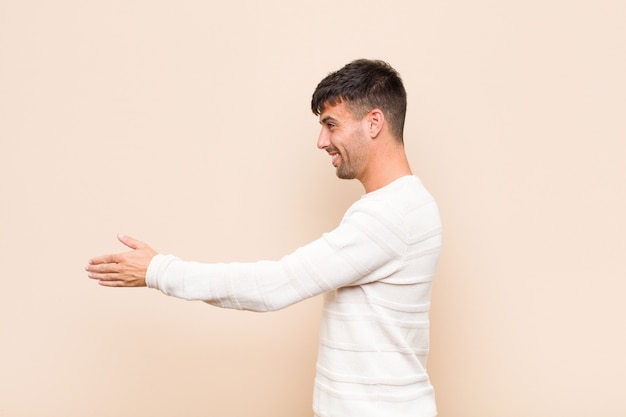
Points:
point(335, 156)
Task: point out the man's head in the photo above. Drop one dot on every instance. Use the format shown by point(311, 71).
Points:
point(363, 85)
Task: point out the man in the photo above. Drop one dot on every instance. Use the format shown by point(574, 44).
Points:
point(375, 269)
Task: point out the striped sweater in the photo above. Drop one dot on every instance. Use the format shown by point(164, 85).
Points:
point(375, 271)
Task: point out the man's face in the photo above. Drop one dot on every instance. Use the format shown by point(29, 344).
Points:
point(344, 138)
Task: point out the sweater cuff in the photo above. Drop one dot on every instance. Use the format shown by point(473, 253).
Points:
point(155, 274)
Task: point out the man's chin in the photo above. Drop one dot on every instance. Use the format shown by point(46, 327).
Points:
point(345, 175)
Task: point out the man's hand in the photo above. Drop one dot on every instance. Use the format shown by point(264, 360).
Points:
point(126, 269)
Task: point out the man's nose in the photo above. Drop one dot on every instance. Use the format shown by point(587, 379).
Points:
point(323, 141)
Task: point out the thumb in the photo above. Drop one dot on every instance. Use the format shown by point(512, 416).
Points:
point(130, 242)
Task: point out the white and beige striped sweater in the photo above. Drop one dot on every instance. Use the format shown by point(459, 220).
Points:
point(375, 271)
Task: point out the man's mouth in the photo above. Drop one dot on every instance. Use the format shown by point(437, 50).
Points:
point(335, 156)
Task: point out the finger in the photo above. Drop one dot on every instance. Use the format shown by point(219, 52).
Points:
point(111, 283)
point(105, 259)
point(103, 277)
point(117, 282)
point(131, 242)
point(104, 268)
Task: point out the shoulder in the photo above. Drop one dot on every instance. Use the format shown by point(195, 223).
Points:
point(403, 194)
point(404, 204)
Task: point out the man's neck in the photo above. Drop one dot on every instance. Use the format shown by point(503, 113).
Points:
point(385, 169)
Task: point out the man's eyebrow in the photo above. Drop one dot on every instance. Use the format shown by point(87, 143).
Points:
point(326, 119)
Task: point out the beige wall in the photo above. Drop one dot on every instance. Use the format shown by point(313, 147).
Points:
point(188, 126)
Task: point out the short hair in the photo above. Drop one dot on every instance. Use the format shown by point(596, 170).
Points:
point(364, 85)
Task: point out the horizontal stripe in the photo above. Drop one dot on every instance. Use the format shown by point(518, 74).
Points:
point(374, 318)
point(409, 394)
point(354, 347)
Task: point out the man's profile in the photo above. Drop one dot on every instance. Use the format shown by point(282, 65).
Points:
point(375, 269)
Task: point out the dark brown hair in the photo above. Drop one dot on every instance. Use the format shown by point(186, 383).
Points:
point(365, 85)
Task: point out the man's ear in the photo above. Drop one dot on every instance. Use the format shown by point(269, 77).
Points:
point(375, 122)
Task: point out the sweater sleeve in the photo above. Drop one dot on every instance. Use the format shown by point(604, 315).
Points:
point(362, 249)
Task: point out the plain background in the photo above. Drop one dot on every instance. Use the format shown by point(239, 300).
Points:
point(187, 124)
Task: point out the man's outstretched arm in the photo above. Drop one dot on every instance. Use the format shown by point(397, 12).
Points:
point(126, 269)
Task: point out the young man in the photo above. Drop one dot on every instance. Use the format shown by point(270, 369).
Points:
point(375, 269)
